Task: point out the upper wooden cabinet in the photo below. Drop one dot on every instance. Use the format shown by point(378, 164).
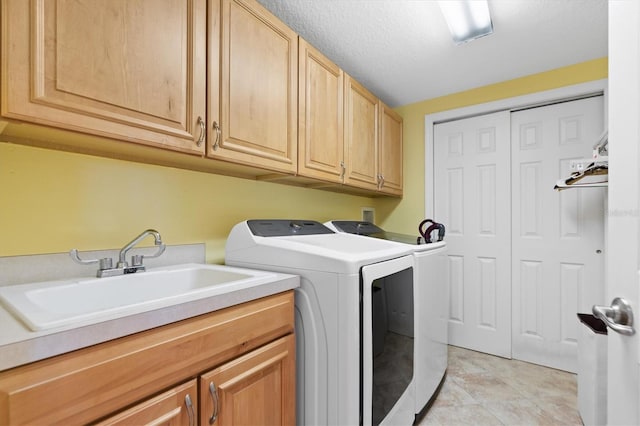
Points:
point(133, 70)
point(346, 134)
point(373, 142)
point(390, 161)
point(253, 89)
point(361, 135)
point(222, 79)
point(320, 116)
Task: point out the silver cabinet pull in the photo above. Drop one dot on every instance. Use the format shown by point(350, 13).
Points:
point(203, 130)
point(618, 317)
point(216, 403)
point(343, 170)
point(190, 411)
point(216, 127)
point(380, 181)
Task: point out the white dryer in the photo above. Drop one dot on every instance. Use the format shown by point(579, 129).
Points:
point(431, 303)
point(342, 280)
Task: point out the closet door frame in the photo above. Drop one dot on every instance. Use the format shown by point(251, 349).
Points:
point(594, 87)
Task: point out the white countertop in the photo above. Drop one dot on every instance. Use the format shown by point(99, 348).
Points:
point(19, 345)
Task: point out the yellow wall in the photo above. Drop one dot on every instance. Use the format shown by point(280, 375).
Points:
point(405, 215)
point(52, 201)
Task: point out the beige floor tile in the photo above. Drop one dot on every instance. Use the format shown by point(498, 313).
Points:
point(482, 389)
point(487, 387)
point(451, 394)
point(520, 412)
point(473, 414)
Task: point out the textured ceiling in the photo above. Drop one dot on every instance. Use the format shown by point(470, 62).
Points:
point(402, 51)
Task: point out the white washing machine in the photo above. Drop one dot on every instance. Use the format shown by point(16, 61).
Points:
point(343, 279)
point(431, 296)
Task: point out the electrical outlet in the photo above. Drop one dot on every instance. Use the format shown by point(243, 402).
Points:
point(368, 214)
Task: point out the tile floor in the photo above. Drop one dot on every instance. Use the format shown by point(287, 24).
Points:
point(481, 389)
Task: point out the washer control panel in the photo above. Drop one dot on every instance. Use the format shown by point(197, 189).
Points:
point(357, 227)
point(285, 227)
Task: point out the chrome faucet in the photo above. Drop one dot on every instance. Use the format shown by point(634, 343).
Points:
point(106, 268)
point(136, 261)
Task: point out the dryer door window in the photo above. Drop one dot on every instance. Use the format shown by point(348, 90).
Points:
point(387, 347)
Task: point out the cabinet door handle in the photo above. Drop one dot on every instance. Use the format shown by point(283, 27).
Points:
point(216, 403)
point(380, 181)
point(343, 170)
point(187, 402)
point(203, 131)
point(216, 127)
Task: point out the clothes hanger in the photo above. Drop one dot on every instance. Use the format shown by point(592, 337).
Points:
point(593, 169)
point(599, 166)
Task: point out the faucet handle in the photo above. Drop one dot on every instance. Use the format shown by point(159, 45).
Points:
point(105, 262)
point(136, 260)
point(74, 256)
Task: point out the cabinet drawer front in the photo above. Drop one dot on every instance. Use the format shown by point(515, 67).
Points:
point(88, 384)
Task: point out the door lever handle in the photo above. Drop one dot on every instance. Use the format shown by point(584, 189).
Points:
point(618, 317)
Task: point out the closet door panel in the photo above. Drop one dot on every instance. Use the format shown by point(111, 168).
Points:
point(560, 233)
point(472, 198)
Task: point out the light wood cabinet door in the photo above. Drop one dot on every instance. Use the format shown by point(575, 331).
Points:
point(133, 70)
point(177, 406)
point(257, 121)
point(255, 389)
point(390, 166)
point(320, 116)
point(361, 136)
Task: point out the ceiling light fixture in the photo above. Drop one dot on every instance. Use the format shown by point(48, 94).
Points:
point(467, 19)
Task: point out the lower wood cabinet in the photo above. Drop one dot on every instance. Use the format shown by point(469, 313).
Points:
point(232, 366)
point(177, 406)
point(255, 389)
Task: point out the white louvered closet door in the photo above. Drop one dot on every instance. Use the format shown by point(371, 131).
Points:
point(558, 237)
point(472, 198)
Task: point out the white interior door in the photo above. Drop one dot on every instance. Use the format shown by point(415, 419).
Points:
point(472, 197)
point(558, 237)
point(623, 397)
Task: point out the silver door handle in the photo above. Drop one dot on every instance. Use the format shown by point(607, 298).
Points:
point(618, 317)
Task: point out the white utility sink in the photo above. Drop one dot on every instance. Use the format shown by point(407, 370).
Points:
point(46, 305)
